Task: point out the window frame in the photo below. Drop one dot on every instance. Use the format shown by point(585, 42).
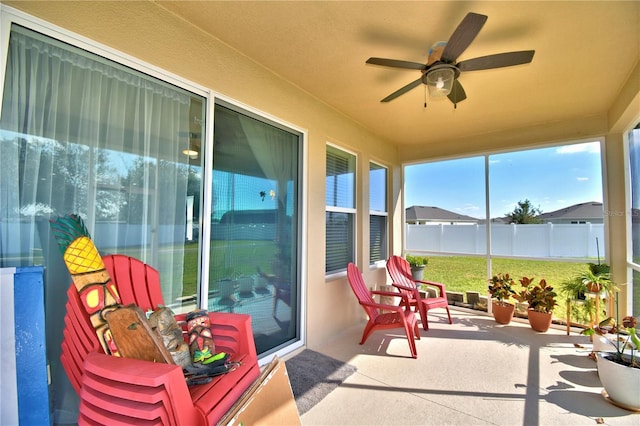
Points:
point(633, 268)
point(384, 243)
point(352, 211)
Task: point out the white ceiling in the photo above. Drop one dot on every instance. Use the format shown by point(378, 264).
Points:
point(585, 52)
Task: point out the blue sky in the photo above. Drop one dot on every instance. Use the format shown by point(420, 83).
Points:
point(551, 178)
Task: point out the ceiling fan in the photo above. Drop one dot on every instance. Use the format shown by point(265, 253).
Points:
point(440, 73)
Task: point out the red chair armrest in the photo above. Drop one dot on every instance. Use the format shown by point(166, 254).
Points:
point(405, 300)
point(398, 308)
point(440, 286)
point(403, 287)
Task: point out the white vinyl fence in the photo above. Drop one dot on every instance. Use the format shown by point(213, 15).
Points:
point(541, 241)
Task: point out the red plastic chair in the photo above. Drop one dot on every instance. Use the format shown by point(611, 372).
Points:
point(400, 272)
point(117, 390)
point(392, 316)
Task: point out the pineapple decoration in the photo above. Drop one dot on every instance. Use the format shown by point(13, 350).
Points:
point(98, 294)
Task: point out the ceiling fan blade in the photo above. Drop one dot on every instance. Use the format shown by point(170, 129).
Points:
point(457, 93)
point(463, 36)
point(396, 63)
point(402, 90)
point(498, 60)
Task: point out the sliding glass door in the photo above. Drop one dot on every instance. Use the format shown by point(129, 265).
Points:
point(255, 220)
point(81, 134)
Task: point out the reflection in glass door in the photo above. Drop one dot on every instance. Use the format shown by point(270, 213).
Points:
point(254, 226)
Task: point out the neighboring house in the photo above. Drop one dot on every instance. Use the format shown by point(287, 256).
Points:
point(421, 215)
point(590, 212)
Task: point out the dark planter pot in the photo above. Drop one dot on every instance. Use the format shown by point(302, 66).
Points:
point(417, 272)
point(502, 313)
point(539, 321)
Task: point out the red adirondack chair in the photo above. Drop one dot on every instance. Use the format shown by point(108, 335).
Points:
point(392, 316)
point(117, 390)
point(400, 272)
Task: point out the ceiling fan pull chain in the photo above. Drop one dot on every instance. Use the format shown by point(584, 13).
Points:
point(425, 96)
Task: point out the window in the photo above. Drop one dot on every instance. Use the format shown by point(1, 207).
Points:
point(634, 224)
point(340, 209)
point(377, 213)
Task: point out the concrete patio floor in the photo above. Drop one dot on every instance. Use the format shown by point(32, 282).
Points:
point(474, 372)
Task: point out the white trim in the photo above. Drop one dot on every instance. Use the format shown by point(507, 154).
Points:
point(631, 265)
point(334, 209)
point(342, 148)
point(258, 113)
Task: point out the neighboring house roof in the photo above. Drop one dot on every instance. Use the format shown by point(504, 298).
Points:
point(591, 210)
point(435, 214)
point(583, 211)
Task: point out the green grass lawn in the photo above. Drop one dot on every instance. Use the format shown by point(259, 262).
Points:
point(464, 274)
point(239, 258)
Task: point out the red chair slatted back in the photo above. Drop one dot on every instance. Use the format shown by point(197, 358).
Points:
point(360, 289)
point(400, 272)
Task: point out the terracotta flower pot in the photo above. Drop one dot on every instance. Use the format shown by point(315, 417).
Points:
point(539, 321)
point(502, 313)
point(594, 287)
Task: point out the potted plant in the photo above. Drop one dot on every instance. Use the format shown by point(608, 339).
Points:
point(589, 287)
point(417, 263)
point(541, 299)
point(501, 290)
point(619, 369)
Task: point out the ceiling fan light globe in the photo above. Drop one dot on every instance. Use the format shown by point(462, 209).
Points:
point(440, 82)
point(192, 154)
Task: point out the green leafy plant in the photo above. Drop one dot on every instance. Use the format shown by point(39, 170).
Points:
point(417, 261)
point(596, 279)
point(501, 288)
point(540, 297)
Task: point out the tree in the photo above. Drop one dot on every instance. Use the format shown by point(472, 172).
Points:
point(525, 213)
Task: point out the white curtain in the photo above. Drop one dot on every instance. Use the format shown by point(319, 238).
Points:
point(80, 134)
point(83, 135)
point(276, 153)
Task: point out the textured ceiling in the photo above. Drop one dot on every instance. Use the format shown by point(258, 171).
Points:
point(585, 51)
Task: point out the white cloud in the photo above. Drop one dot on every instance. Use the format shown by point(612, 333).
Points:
point(589, 147)
point(470, 208)
point(582, 179)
